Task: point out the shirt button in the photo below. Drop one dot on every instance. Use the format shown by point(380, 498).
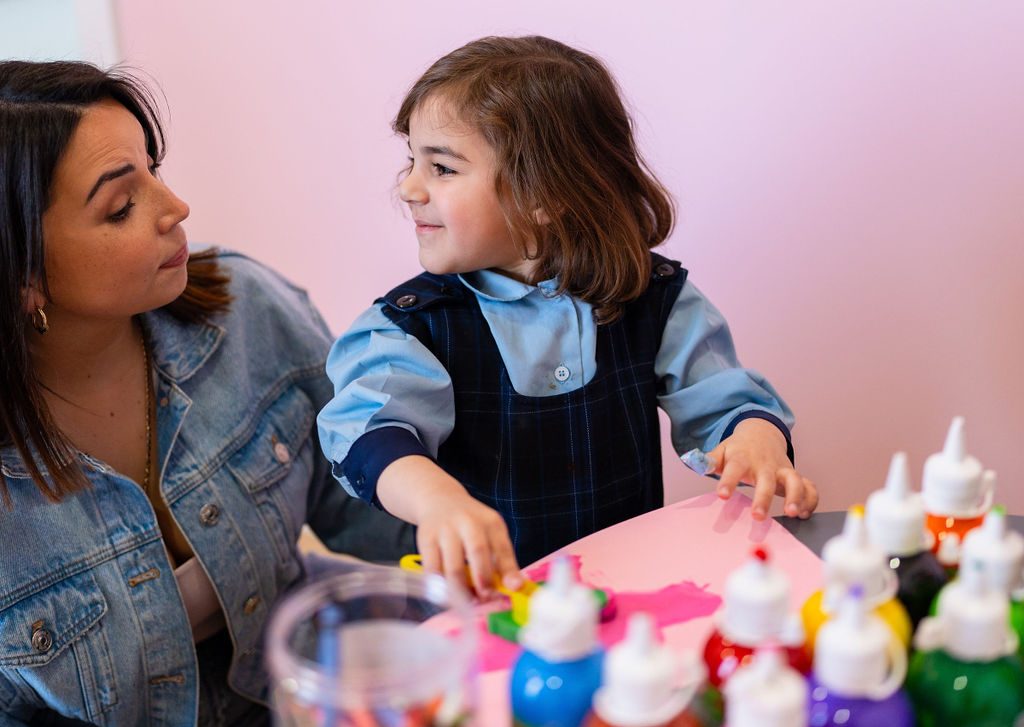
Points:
point(251, 604)
point(164, 401)
point(282, 453)
point(209, 514)
point(562, 374)
point(406, 301)
point(41, 640)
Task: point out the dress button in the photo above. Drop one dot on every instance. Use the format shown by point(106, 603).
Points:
point(209, 514)
point(251, 604)
point(664, 270)
point(282, 453)
point(41, 640)
point(562, 374)
point(406, 301)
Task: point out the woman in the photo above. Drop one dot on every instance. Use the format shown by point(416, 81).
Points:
point(156, 427)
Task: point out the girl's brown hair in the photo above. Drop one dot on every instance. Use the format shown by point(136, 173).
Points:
point(564, 146)
point(40, 107)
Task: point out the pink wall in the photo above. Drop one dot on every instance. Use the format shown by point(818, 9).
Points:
point(850, 179)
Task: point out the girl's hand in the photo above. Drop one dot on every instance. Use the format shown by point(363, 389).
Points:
point(455, 528)
point(755, 454)
point(452, 527)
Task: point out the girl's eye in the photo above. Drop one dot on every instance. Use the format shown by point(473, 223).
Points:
point(122, 214)
point(442, 170)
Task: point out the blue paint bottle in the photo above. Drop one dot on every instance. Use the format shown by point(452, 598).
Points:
point(554, 680)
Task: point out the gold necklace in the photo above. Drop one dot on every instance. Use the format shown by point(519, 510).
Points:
point(149, 412)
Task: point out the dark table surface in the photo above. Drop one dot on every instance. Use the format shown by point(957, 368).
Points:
point(821, 526)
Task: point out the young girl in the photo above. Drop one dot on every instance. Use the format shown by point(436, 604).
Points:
point(506, 399)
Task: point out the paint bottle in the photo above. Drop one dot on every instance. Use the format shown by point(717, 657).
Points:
point(999, 552)
point(956, 492)
point(766, 692)
point(755, 610)
point(645, 685)
point(966, 671)
point(859, 666)
point(554, 680)
point(851, 559)
point(895, 520)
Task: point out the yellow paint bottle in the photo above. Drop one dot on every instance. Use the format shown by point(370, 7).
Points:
point(850, 559)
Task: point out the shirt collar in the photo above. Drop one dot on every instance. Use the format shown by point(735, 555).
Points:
point(179, 349)
point(492, 285)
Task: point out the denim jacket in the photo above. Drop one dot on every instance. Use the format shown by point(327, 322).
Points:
point(92, 623)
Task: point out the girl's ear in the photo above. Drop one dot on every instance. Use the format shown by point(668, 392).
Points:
point(541, 217)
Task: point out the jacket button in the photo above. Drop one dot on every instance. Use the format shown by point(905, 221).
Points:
point(282, 453)
point(406, 301)
point(209, 514)
point(251, 604)
point(664, 270)
point(41, 640)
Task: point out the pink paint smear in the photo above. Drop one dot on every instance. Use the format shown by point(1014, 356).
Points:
point(670, 605)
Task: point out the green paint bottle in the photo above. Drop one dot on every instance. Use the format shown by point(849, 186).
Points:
point(966, 670)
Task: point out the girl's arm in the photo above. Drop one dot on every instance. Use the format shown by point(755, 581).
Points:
point(392, 408)
point(716, 404)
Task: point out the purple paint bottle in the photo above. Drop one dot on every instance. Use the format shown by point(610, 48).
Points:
point(859, 665)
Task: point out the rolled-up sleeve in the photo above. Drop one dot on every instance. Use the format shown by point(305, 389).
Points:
point(392, 398)
point(702, 386)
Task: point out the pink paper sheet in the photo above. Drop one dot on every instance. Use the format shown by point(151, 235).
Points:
point(672, 563)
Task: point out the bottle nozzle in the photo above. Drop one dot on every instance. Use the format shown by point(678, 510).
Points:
point(956, 441)
point(560, 576)
point(995, 521)
point(897, 483)
point(853, 529)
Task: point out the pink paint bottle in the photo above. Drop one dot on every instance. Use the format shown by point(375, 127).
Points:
point(755, 611)
point(957, 493)
point(645, 684)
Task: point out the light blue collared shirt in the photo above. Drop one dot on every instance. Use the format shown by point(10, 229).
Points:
point(384, 377)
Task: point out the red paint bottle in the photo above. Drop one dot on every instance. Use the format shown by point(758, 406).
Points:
point(755, 611)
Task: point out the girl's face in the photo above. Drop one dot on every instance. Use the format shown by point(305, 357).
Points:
point(450, 190)
point(114, 245)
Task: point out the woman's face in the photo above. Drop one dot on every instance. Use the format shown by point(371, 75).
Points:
point(114, 244)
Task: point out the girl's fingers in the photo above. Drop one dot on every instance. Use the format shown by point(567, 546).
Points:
point(478, 553)
point(810, 502)
point(732, 473)
point(793, 489)
point(764, 491)
point(505, 559)
point(453, 559)
point(430, 552)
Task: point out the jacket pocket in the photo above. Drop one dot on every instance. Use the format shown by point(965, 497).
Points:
point(275, 468)
point(54, 639)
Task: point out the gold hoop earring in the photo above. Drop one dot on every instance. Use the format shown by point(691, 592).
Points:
point(40, 323)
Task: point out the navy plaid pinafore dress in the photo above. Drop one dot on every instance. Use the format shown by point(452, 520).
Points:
point(557, 467)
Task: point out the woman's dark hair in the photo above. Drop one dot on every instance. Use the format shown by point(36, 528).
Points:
point(40, 107)
point(564, 145)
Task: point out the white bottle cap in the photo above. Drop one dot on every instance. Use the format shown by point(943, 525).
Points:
point(767, 692)
point(755, 602)
point(952, 483)
point(895, 516)
point(996, 550)
point(856, 655)
point(972, 623)
point(641, 679)
point(851, 559)
point(563, 617)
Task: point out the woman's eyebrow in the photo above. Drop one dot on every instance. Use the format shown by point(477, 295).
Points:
point(106, 177)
